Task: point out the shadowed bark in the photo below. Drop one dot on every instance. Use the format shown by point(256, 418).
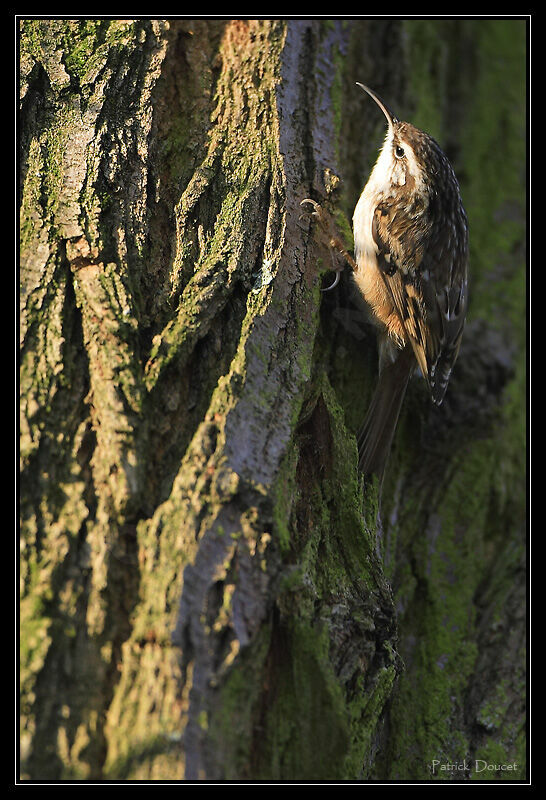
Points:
point(209, 589)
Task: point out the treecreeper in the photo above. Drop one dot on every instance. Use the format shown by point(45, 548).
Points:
point(410, 266)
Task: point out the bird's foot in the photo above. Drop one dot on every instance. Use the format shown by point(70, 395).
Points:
point(331, 237)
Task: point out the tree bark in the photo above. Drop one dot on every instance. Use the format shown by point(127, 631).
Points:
point(209, 590)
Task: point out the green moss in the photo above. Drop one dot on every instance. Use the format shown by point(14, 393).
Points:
point(335, 505)
point(334, 552)
point(157, 757)
point(231, 720)
point(337, 62)
point(428, 45)
point(44, 189)
point(55, 142)
point(365, 711)
point(81, 43)
point(438, 617)
point(494, 154)
point(494, 763)
point(285, 494)
point(307, 732)
point(343, 490)
point(31, 195)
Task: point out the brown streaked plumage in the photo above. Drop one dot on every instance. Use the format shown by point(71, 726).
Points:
point(411, 252)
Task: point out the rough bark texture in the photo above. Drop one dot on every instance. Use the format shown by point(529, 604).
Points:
point(208, 589)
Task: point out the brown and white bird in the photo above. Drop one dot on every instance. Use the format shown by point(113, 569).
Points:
point(411, 253)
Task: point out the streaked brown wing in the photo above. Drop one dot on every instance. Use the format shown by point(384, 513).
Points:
point(425, 276)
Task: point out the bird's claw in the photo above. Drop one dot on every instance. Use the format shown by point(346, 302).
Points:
point(317, 209)
point(334, 284)
point(325, 223)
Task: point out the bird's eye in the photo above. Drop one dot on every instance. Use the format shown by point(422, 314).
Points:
point(399, 152)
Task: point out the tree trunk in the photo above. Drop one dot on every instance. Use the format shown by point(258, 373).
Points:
point(209, 589)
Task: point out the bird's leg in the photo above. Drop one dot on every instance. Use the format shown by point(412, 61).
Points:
point(333, 241)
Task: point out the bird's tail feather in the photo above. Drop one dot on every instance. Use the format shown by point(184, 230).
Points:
point(375, 438)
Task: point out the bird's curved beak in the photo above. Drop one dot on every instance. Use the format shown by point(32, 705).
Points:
point(392, 119)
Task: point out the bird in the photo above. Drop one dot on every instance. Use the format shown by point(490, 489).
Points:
point(410, 266)
point(411, 252)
